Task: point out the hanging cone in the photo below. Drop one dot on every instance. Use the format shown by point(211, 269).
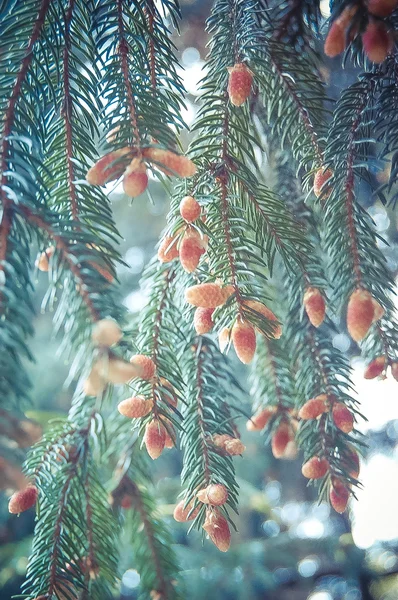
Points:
point(314, 408)
point(23, 500)
point(244, 340)
point(189, 209)
point(216, 526)
point(135, 407)
point(106, 332)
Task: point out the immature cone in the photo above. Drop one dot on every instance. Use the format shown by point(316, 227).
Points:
point(375, 368)
point(106, 332)
point(205, 295)
point(168, 249)
point(23, 500)
point(320, 179)
point(234, 447)
point(155, 438)
point(378, 310)
point(335, 40)
point(223, 339)
point(313, 408)
point(382, 8)
point(342, 417)
point(216, 526)
point(135, 179)
point(339, 496)
point(169, 441)
point(94, 384)
point(360, 313)
point(169, 162)
point(119, 371)
point(215, 494)
point(189, 209)
point(190, 251)
point(263, 310)
point(239, 83)
point(43, 261)
point(182, 514)
point(376, 41)
point(315, 307)
point(315, 468)
point(394, 370)
point(203, 321)
point(259, 420)
point(135, 407)
point(281, 438)
point(228, 291)
point(145, 366)
point(244, 340)
point(108, 168)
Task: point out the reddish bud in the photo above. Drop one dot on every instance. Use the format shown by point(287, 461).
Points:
point(23, 500)
point(135, 407)
point(394, 370)
point(190, 250)
point(203, 321)
point(315, 307)
point(315, 468)
point(109, 167)
point(320, 179)
point(342, 417)
point(234, 447)
point(155, 438)
point(376, 41)
point(260, 308)
point(188, 513)
point(205, 295)
point(216, 526)
point(260, 420)
point(145, 366)
point(43, 261)
point(375, 368)
point(106, 332)
point(215, 494)
point(169, 162)
point(126, 501)
point(360, 313)
point(335, 40)
point(135, 179)
point(339, 496)
point(314, 408)
point(239, 83)
point(168, 249)
point(223, 339)
point(189, 209)
point(382, 8)
point(281, 438)
point(244, 340)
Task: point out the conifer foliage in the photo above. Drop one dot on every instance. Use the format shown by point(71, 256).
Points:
point(267, 256)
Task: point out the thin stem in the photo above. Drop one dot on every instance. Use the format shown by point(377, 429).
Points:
point(67, 113)
point(124, 63)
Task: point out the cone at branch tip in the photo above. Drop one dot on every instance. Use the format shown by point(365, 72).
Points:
point(203, 321)
point(189, 209)
point(314, 407)
point(109, 167)
point(320, 183)
point(135, 407)
point(23, 500)
point(315, 468)
point(168, 250)
point(243, 337)
point(342, 417)
point(145, 366)
point(155, 438)
point(106, 332)
point(360, 314)
point(315, 306)
point(205, 295)
point(135, 178)
point(43, 260)
point(184, 513)
point(375, 368)
point(191, 248)
point(215, 494)
point(260, 419)
point(338, 495)
point(281, 438)
point(239, 83)
point(263, 310)
point(169, 162)
point(217, 528)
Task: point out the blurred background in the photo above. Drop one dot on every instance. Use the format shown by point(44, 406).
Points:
point(288, 547)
